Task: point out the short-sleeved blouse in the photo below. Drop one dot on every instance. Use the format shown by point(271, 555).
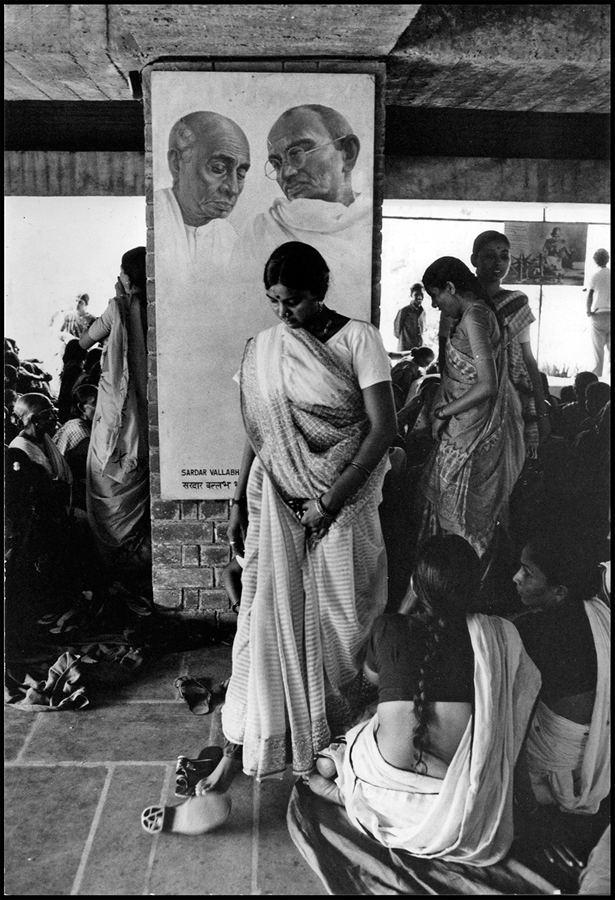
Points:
point(396, 652)
point(360, 345)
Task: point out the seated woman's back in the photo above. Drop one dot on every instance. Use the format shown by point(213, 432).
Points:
point(425, 670)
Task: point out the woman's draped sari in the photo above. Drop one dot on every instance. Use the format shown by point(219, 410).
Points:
point(475, 465)
point(117, 465)
point(306, 607)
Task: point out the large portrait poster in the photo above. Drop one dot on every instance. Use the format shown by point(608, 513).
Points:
point(243, 162)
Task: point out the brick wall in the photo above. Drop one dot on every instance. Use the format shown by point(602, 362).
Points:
point(189, 538)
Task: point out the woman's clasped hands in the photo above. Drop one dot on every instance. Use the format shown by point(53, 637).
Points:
point(316, 519)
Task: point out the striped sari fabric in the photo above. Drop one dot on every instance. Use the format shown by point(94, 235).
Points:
point(306, 609)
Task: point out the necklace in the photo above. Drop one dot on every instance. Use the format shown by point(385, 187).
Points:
point(323, 329)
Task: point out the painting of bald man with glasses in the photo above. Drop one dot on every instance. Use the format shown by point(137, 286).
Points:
point(312, 151)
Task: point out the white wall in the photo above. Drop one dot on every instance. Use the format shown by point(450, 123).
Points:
point(55, 248)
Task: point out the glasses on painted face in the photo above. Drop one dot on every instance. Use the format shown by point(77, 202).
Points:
point(294, 157)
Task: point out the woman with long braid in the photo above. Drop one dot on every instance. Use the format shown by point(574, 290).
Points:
point(431, 772)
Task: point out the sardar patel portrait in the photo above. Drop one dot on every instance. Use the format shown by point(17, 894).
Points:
point(312, 151)
point(209, 158)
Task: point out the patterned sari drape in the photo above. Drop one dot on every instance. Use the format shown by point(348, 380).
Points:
point(475, 466)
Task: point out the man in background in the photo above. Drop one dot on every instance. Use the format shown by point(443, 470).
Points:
point(410, 321)
point(599, 310)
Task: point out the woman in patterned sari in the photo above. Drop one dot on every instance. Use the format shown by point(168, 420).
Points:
point(477, 416)
point(319, 415)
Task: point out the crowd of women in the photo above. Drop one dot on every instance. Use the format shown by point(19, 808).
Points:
point(472, 451)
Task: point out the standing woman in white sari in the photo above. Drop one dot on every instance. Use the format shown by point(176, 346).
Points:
point(319, 414)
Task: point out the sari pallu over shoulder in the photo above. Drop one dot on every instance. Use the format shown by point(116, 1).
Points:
point(107, 424)
point(475, 466)
point(304, 415)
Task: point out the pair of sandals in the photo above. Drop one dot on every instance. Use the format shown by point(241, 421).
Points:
point(200, 697)
point(197, 815)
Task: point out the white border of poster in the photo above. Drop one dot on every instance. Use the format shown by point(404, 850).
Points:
point(209, 290)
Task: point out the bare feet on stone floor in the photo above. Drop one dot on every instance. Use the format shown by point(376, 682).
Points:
point(220, 779)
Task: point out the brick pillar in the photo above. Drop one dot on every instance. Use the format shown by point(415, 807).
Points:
point(189, 537)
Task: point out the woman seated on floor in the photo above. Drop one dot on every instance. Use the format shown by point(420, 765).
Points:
point(431, 771)
point(568, 636)
point(38, 504)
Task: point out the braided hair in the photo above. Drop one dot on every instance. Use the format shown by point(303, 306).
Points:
point(446, 582)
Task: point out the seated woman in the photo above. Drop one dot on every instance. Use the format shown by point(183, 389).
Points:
point(567, 635)
point(431, 771)
point(406, 373)
point(72, 367)
point(477, 421)
point(38, 503)
point(73, 439)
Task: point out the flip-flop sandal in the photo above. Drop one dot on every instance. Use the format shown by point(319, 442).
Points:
point(195, 693)
point(197, 815)
point(190, 771)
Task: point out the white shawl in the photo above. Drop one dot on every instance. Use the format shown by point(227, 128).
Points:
point(466, 817)
point(574, 764)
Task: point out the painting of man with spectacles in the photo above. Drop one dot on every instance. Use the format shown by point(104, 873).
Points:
point(312, 151)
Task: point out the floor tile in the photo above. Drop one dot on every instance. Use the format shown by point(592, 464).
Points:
point(219, 863)
point(210, 662)
point(119, 858)
point(135, 731)
point(48, 814)
point(17, 726)
point(293, 876)
point(156, 681)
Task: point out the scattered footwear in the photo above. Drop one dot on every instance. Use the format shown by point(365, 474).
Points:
point(190, 771)
point(195, 693)
point(197, 815)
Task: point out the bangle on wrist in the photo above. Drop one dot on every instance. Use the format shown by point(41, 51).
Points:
point(438, 414)
point(322, 509)
point(362, 469)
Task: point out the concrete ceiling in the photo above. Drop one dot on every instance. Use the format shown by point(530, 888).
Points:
point(551, 58)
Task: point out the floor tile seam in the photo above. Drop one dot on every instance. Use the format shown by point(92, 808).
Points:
point(28, 738)
point(86, 764)
point(89, 843)
point(166, 702)
point(155, 840)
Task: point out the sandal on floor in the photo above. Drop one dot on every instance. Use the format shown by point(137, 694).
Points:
point(195, 693)
point(190, 771)
point(197, 815)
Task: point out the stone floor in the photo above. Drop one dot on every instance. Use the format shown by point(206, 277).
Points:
point(77, 782)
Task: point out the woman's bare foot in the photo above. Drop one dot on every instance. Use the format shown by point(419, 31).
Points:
point(220, 779)
point(326, 766)
point(324, 787)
